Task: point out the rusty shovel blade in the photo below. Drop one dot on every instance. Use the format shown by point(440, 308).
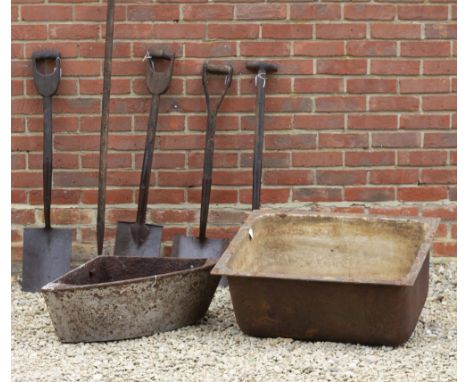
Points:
point(133, 239)
point(46, 256)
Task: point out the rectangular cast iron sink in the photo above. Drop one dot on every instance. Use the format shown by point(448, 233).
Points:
point(116, 297)
point(329, 277)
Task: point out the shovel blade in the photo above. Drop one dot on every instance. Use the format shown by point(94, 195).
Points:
point(189, 247)
point(46, 256)
point(128, 244)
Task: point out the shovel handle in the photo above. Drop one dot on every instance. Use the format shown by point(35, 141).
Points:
point(227, 71)
point(260, 80)
point(106, 88)
point(157, 82)
point(47, 160)
point(147, 161)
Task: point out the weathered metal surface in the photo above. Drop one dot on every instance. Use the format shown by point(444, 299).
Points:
point(116, 297)
point(329, 277)
point(46, 251)
point(261, 67)
point(104, 137)
point(140, 239)
point(202, 247)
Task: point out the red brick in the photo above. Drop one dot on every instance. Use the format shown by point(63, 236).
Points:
point(341, 177)
point(340, 31)
point(371, 48)
point(287, 177)
point(369, 12)
point(317, 194)
point(441, 31)
point(394, 67)
point(394, 176)
point(315, 11)
point(264, 48)
point(319, 122)
point(210, 49)
point(166, 196)
point(422, 12)
point(342, 67)
point(58, 197)
point(424, 122)
point(318, 85)
point(425, 49)
point(397, 140)
point(317, 159)
point(422, 193)
point(439, 176)
point(218, 196)
point(439, 102)
point(446, 213)
point(395, 211)
point(422, 158)
point(221, 159)
point(444, 249)
point(371, 85)
point(143, 12)
point(208, 12)
point(233, 32)
point(28, 32)
point(369, 194)
point(393, 103)
point(24, 216)
point(342, 140)
point(287, 31)
point(440, 67)
point(340, 103)
point(319, 48)
point(370, 158)
point(424, 85)
point(232, 178)
point(287, 141)
point(260, 11)
point(396, 31)
point(372, 122)
point(270, 160)
point(46, 13)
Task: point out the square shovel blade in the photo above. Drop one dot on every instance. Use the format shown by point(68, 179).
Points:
point(46, 256)
point(189, 247)
point(125, 244)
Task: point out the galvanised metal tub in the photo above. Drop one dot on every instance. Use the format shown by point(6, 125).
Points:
point(329, 277)
point(115, 297)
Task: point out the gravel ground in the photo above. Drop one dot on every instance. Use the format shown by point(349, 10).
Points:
point(216, 350)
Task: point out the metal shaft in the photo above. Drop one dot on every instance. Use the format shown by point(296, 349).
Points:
point(47, 159)
point(105, 126)
point(259, 129)
point(147, 161)
point(207, 173)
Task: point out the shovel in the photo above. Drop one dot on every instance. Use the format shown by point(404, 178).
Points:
point(46, 251)
point(139, 238)
point(201, 246)
point(260, 81)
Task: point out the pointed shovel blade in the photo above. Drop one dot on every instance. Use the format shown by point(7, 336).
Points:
point(46, 256)
point(132, 240)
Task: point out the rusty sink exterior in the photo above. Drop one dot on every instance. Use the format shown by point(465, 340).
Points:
point(367, 301)
point(115, 297)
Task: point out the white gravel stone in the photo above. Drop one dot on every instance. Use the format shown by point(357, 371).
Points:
point(216, 349)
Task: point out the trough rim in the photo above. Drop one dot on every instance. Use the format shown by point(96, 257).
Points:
point(58, 285)
point(429, 224)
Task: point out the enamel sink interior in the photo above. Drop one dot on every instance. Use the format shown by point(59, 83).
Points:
point(325, 247)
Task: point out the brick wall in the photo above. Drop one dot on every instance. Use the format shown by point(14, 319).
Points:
point(361, 116)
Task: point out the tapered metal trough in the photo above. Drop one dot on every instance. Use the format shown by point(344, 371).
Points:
point(329, 277)
point(115, 297)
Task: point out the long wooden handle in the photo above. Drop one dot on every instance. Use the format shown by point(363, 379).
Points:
point(101, 216)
